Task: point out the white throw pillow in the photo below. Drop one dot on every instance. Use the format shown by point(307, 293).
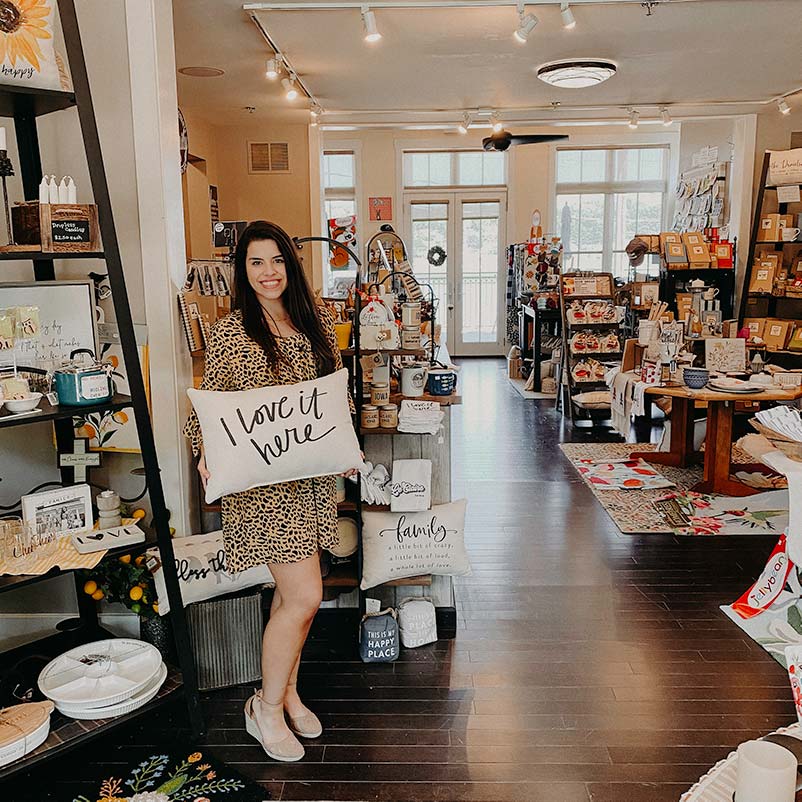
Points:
point(417, 622)
point(399, 545)
point(201, 564)
point(276, 434)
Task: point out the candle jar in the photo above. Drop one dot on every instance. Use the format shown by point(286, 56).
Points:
point(388, 416)
point(766, 773)
point(370, 416)
point(379, 394)
point(410, 314)
point(410, 338)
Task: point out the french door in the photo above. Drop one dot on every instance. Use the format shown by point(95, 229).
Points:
point(471, 228)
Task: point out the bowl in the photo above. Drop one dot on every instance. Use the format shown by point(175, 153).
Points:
point(23, 404)
point(695, 378)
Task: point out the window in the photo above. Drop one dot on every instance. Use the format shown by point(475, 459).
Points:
point(459, 168)
point(339, 200)
point(604, 198)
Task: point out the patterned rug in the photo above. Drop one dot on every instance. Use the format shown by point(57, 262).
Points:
point(177, 777)
point(636, 512)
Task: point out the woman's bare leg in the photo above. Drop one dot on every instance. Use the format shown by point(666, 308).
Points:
point(300, 591)
point(292, 701)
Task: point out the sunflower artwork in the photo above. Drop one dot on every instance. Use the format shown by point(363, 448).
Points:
point(27, 51)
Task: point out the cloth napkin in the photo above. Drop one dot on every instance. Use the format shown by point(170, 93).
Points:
point(420, 417)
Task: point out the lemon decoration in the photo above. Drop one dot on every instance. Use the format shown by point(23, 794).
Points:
point(125, 559)
point(135, 593)
point(90, 587)
point(98, 595)
point(138, 514)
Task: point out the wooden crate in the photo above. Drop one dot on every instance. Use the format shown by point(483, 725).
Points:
point(57, 227)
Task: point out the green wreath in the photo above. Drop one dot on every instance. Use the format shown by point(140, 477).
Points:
point(436, 256)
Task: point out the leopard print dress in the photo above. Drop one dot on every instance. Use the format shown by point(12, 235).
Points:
point(281, 523)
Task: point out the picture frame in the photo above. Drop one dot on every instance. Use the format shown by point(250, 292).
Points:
point(725, 355)
point(65, 510)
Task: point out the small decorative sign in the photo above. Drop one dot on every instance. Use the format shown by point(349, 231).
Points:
point(381, 209)
point(80, 459)
point(70, 231)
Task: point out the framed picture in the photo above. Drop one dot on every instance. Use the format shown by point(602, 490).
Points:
point(725, 355)
point(65, 510)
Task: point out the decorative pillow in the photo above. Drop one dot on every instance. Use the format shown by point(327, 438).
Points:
point(399, 545)
point(26, 38)
point(201, 564)
point(417, 622)
point(262, 437)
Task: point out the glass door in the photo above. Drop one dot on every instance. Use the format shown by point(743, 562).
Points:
point(471, 228)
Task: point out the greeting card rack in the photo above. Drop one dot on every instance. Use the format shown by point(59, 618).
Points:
point(25, 105)
point(591, 341)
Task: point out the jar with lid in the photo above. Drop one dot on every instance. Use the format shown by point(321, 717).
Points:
point(379, 394)
point(410, 338)
point(388, 416)
point(370, 416)
point(411, 313)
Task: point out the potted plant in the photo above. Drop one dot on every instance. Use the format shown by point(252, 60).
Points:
point(128, 581)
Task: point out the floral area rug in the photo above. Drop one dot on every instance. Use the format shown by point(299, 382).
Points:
point(646, 508)
point(177, 777)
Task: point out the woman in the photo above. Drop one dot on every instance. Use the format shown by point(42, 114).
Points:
point(276, 335)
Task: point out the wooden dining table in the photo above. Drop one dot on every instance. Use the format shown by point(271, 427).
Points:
point(718, 441)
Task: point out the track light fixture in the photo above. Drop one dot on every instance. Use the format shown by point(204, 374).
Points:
point(783, 106)
point(289, 88)
point(314, 112)
point(372, 33)
point(665, 116)
point(273, 68)
point(634, 119)
point(496, 123)
point(465, 124)
point(569, 20)
point(526, 24)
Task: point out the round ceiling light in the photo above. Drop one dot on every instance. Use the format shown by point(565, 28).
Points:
point(202, 72)
point(576, 73)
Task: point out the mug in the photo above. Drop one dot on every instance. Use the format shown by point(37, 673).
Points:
point(789, 234)
point(441, 382)
point(711, 293)
point(413, 380)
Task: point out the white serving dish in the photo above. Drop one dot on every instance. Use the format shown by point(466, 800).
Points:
point(101, 673)
point(33, 721)
point(142, 697)
point(23, 404)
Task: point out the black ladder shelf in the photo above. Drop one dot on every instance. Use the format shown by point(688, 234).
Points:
point(25, 106)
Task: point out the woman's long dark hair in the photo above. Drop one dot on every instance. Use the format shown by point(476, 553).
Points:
point(297, 298)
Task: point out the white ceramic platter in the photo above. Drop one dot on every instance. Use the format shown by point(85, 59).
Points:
point(101, 673)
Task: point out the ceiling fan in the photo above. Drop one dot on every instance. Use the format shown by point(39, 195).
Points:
point(501, 140)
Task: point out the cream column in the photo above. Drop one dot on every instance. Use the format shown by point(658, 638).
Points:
point(158, 174)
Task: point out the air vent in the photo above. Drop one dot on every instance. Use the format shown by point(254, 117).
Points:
point(268, 157)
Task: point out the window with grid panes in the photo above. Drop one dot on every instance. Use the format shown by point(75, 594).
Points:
point(339, 199)
point(604, 197)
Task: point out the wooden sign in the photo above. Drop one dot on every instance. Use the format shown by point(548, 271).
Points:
point(79, 459)
point(381, 209)
point(56, 227)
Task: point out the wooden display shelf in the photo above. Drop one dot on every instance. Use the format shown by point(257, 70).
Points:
point(611, 355)
point(364, 431)
point(49, 413)
point(345, 576)
point(67, 733)
point(21, 99)
point(8, 256)
point(443, 400)
point(598, 297)
point(342, 506)
point(593, 326)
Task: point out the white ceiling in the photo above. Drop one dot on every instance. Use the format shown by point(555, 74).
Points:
point(444, 60)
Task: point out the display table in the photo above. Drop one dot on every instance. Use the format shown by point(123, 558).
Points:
point(531, 324)
point(718, 441)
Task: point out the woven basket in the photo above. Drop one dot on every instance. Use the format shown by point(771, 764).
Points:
point(791, 448)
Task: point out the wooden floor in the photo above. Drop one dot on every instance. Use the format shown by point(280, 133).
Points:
point(589, 665)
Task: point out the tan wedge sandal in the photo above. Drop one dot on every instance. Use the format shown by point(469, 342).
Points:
point(288, 750)
point(306, 726)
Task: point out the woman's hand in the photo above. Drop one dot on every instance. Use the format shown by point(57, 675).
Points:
point(354, 471)
point(203, 470)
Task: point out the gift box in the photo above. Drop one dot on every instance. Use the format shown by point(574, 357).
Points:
point(777, 333)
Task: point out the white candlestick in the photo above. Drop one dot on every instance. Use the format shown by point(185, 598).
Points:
point(766, 773)
point(2, 138)
point(62, 191)
point(72, 191)
point(44, 190)
point(53, 190)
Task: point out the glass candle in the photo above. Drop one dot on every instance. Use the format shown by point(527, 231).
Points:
point(766, 773)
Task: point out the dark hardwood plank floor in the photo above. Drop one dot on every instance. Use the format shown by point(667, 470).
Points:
point(588, 666)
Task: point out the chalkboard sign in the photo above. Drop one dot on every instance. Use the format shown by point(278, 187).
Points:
point(70, 231)
point(227, 232)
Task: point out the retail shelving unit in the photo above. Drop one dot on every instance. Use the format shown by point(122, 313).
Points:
point(768, 305)
point(571, 328)
point(25, 106)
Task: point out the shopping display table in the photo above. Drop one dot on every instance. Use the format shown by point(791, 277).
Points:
point(718, 442)
point(718, 785)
